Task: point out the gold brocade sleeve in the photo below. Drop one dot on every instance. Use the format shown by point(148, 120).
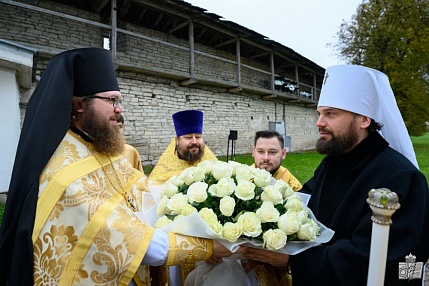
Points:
point(294, 183)
point(133, 156)
point(188, 249)
point(269, 275)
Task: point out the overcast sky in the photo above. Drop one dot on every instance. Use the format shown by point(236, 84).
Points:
point(306, 26)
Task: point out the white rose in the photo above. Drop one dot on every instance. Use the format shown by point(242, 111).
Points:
point(231, 231)
point(274, 239)
point(207, 214)
point(187, 176)
point(213, 190)
point(199, 174)
point(307, 231)
point(188, 209)
point(207, 165)
point(176, 181)
point(243, 172)
point(227, 205)
point(215, 225)
point(288, 192)
point(162, 209)
point(245, 190)
point(250, 223)
point(272, 194)
point(169, 189)
point(197, 192)
point(289, 222)
point(267, 212)
point(177, 203)
point(225, 187)
point(162, 221)
point(284, 188)
point(303, 216)
point(221, 170)
point(262, 178)
point(295, 196)
point(234, 166)
point(316, 227)
point(294, 203)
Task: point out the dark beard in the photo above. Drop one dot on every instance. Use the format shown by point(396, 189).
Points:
point(274, 171)
point(191, 158)
point(338, 145)
point(108, 140)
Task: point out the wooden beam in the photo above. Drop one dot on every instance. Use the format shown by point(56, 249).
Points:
point(178, 27)
point(272, 71)
point(101, 6)
point(114, 24)
point(125, 8)
point(270, 96)
point(191, 50)
point(238, 58)
point(235, 89)
point(260, 55)
point(188, 81)
point(225, 43)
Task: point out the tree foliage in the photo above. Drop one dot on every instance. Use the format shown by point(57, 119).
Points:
point(392, 36)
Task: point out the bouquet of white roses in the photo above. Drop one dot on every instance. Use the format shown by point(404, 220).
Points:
point(239, 203)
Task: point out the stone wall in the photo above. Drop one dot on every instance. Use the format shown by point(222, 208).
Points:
point(37, 29)
point(150, 100)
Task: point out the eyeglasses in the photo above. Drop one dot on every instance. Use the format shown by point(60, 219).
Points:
point(115, 101)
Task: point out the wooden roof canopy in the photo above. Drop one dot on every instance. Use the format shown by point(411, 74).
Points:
point(172, 17)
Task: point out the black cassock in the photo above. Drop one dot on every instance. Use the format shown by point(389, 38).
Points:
point(339, 189)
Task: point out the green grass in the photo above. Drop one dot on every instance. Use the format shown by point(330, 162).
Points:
point(421, 147)
point(303, 164)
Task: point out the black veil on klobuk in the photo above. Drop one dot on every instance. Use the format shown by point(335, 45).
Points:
point(78, 72)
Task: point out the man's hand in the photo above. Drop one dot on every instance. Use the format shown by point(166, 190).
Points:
point(270, 257)
point(220, 251)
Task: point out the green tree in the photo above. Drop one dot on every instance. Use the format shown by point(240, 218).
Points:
point(392, 36)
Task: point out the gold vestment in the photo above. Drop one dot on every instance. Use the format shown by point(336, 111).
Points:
point(85, 230)
point(132, 155)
